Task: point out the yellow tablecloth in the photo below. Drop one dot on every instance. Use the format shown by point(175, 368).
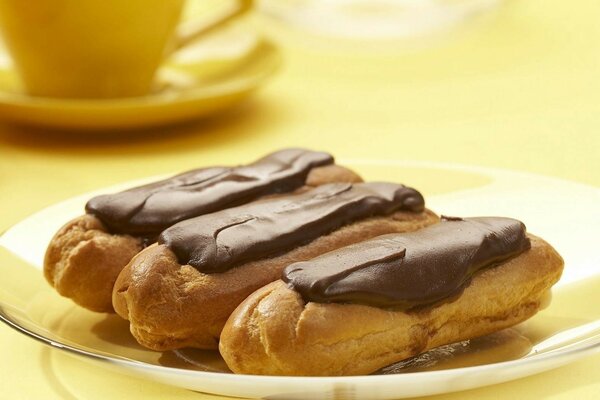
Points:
point(521, 91)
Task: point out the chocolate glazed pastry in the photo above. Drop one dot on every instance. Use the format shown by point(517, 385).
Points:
point(86, 255)
point(180, 292)
point(360, 308)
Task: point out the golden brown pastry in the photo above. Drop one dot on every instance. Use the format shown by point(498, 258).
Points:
point(84, 259)
point(86, 255)
point(180, 292)
point(366, 306)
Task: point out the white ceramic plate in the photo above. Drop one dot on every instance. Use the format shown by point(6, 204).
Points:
point(564, 213)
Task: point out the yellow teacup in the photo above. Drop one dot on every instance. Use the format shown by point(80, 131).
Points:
point(95, 48)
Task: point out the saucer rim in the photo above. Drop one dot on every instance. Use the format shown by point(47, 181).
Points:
point(227, 84)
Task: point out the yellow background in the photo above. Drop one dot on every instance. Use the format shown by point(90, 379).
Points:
point(521, 91)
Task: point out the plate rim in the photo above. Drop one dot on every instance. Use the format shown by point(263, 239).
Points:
point(579, 348)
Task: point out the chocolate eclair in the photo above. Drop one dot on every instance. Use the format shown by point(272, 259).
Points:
point(179, 292)
point(86, 255)
point(360, 308)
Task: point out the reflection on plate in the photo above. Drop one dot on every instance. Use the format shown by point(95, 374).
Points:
point(200, 80)
point(568, 329)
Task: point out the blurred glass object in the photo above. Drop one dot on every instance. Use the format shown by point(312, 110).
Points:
point(374, 19)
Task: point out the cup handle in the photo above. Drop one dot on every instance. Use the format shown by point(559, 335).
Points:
point(189, 32)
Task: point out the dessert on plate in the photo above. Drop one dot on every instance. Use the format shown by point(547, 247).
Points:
point(360, 308)
point(292, 265)
point(179, 292)
point(86, 255)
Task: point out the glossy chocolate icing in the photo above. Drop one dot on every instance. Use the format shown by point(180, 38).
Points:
point(149, 209)
point(219, 241)
point(409, 269)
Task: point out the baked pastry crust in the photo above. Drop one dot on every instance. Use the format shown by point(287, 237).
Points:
point(274, 332)
point(170, 305)
point(83, 258)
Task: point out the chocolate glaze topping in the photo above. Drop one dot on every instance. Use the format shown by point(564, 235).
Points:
point(149, 209)
point(219, 241)
point(409, 269)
